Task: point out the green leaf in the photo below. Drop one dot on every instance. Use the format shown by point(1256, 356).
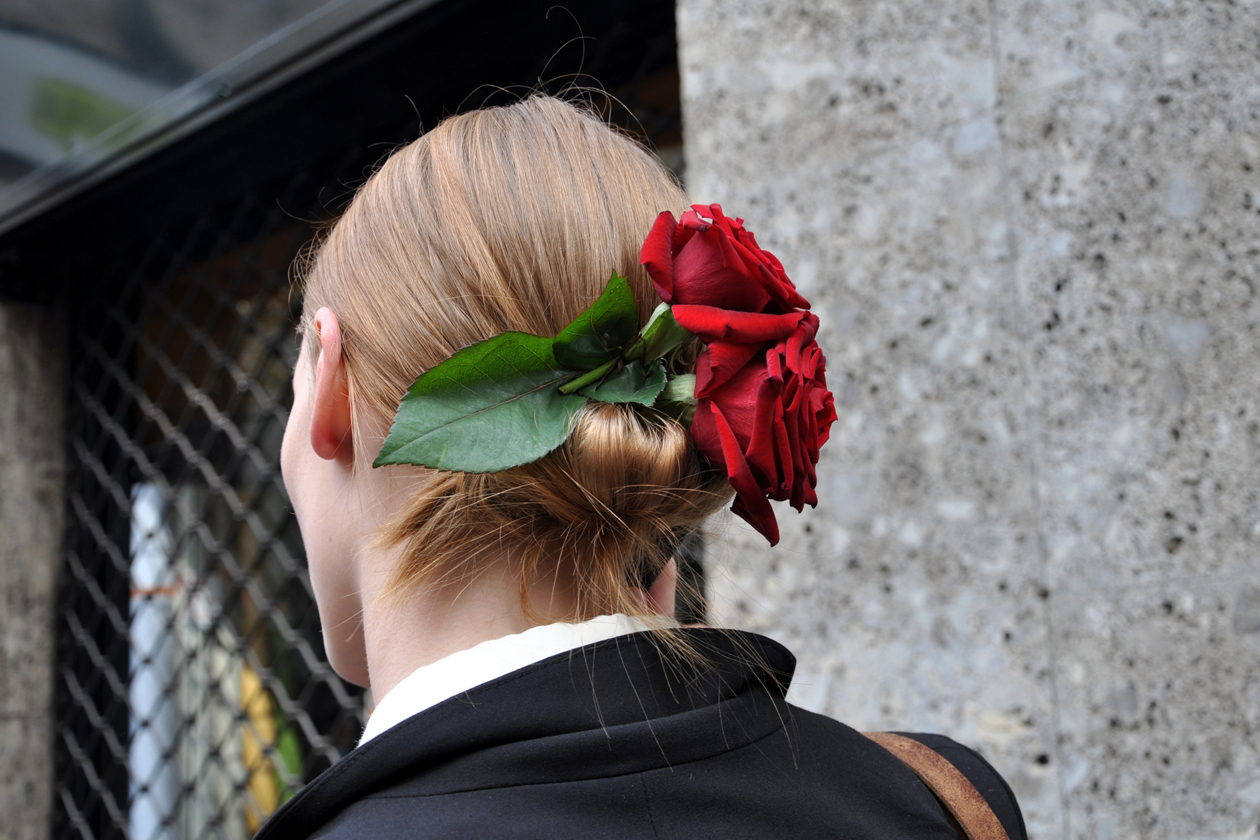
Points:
point(494, 405)
point(664, 335)
point(661, 335)
point(678, 399)
point(599, 334)
point(631, 384)
point(661, 309)
point(681, 389)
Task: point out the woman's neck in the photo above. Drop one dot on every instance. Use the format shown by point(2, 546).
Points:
point(404, 632)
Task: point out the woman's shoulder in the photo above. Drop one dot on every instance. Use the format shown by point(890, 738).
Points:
point(987, 781)
point(884, 758)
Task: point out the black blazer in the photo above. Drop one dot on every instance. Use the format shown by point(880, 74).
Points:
point(621, 740)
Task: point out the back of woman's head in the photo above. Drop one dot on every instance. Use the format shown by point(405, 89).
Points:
point(502, 219)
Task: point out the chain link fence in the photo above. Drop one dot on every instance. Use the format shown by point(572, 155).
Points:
point(192, 692)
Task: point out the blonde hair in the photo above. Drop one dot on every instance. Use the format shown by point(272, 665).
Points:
point(513, 218)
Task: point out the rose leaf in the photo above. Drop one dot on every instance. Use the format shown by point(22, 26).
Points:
point(598, 335)
point(631, 384)
point(678, 399)
point(681, 389)
point(663, 335)
point(491, 406)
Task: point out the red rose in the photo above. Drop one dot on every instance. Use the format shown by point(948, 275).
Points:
point(715, 263)
point(765, 424)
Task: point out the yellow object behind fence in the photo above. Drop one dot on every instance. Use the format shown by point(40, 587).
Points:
point(258, 734)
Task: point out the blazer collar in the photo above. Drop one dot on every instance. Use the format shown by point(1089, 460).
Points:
point(623, 705)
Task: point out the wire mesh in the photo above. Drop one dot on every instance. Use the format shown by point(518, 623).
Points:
point(193, 695)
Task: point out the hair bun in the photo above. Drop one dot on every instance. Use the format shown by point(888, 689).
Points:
point(609, 506)
point(617, 496)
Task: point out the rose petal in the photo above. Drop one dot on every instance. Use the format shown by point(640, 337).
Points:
point(719, 363)
point(712, 324)
point(771, 260)
point(708, 211)
point(704, 434)
point(692, 221)
point(737, 398)
point(709, 272)
point(657, 255)
point(802, 338)
point(825, 415)
point(762, 449)
point(798, 429)
point(750, 500)
point(788, 467)
point(785, 422)
point(782, 289)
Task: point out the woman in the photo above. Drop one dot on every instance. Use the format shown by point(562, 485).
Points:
point(503, 581)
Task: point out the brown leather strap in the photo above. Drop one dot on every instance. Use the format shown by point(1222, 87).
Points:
point(960, 797)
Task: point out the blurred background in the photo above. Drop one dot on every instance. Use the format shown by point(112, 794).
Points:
point(1032, 230)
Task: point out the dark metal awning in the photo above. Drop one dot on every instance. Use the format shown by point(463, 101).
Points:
point(90, 89)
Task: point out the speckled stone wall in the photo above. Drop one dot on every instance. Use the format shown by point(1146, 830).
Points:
point(32, 359)
point(1032, 230)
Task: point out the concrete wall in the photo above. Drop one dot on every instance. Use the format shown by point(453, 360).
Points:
point(32, 359)
point(1032, 230)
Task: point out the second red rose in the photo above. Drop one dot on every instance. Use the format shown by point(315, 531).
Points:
point(765, 425)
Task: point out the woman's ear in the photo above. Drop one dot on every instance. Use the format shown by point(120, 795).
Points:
point(331, 432)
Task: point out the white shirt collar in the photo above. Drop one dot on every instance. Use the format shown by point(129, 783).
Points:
point(431, 684)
